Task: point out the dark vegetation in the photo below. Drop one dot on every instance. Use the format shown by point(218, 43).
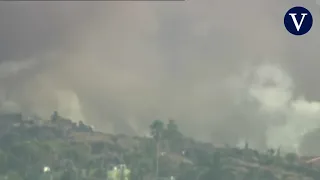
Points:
point(74, 151)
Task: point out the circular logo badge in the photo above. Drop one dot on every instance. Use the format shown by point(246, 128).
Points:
point(298, 20)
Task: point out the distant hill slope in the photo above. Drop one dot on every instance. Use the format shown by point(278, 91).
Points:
point(75, 151)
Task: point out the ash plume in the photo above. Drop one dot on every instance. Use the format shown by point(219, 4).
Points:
point(224, 70)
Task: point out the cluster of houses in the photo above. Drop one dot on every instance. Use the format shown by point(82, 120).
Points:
point(16, 120)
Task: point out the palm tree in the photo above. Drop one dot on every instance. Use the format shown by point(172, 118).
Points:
point(157, 128)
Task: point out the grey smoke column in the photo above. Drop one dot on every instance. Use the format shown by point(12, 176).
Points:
point(120, 65)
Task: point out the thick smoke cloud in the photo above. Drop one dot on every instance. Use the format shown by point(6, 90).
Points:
point(225, 70)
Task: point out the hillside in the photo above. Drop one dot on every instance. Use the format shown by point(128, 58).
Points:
point(74, 151)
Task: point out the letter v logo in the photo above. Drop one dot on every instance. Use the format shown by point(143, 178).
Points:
point(298, 21)
point(294, 19)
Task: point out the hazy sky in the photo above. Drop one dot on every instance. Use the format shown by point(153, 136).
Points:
point(225, 70)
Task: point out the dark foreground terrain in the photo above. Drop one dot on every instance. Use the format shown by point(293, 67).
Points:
point(74, 151)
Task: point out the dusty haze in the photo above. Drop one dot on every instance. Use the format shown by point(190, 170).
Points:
point(224, 70)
